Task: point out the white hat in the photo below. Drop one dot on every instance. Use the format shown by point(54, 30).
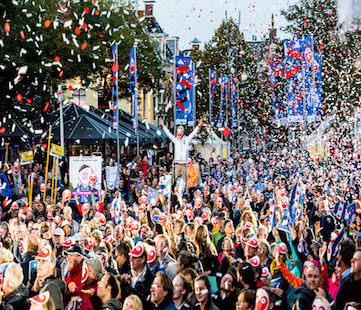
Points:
point(58, 232)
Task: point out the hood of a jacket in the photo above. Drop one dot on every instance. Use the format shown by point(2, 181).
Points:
point(302, 289)
point(112, 303)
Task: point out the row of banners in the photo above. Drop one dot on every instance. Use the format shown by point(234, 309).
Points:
point(296, 83)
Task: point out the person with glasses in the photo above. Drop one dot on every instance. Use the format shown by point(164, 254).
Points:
point(161, 292)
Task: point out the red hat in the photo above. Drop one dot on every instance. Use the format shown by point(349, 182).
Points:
point(189, 213)
point(135, 226)
point(219, 200)
point(265, 272)
point(214, 221)
point(152, 254)
point(85, 207)
point(68, 242)
point(15, 205)
point(138, 250)
point(254, 261)
point(248, 225)
point(110, 239)
point(244, 240)
point(197, 202)
point(179, 214)
point(40, 299)
point(45, 253)
point(253, 242)
point(205, 214)
point(282, 248)
point(142, 207)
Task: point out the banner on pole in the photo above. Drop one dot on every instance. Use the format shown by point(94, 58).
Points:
point(115, 68)
point(228, 98)
point(278, 86)
point(294, 76)
point(318, 83)
point(234, 103)
point(212, 88)
point(132, 80)
point(26, 158)
point(223, 86)
point(184, 91)
point(56, 150)
point(309, 78)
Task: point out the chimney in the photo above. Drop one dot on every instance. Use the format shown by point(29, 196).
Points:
point(149, 7)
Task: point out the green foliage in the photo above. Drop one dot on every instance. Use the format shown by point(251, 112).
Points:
point(79, 35)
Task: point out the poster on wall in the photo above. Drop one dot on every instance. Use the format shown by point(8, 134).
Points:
point(85, 171)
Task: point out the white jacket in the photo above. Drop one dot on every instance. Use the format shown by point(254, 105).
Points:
point(181, 146)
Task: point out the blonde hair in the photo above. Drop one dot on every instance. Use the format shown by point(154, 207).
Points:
point(6, 256)
point(13, 276)
point(137, 301)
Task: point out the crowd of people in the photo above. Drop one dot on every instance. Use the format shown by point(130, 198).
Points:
point(230, 238)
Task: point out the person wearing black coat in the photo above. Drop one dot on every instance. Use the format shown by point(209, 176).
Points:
point(306, 292)
point(16, 300)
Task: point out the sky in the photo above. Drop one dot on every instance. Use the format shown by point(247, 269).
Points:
point(199, 18)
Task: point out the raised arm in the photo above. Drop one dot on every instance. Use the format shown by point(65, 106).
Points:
point(195, 130)
point(167, 132)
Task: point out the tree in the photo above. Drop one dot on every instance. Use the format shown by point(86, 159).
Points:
point(341, 52)
point(228, 53)
point(53, 43)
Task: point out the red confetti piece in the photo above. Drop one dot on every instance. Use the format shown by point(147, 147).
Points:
point(22, 34)
point(46, 107)
point(19, 97)
point(2, 129)
point(61, 73)
point(96, 12)
point(7, 27)
point(84, 46)
point(86, 10)
point(57, 58)
point(77, 31)
point(47, 23)
point(85, 26)
point(70, 87)
point(28, 100)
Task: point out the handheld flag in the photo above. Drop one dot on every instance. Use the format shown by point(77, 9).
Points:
point(334, 243)
point(165, 185)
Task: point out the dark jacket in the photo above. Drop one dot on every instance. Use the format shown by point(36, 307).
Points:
point(56, 288)
point(142, 289)
point(166, 304)
point(348, 291)
point(112, 304)
point(305, 297)
point(16, 300)
point(26, 259)
point(228, 303)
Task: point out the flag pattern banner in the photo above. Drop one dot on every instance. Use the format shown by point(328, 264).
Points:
point(271, 215)
point(302, 246)
point(339, 209)
point(294, 76)
point(234, 104)
point(318, 83)
point(115, 68)
point(309, 77)
point(296, 200)
point(184, 76)
point(228, 98)
point(350, 215)
point(181, 185)
point(332, 248)
point(220, 116)
point(132, 80)
point(278, 86)
point(165, 185)
point(212, 89)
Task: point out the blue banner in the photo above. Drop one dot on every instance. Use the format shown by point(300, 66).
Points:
point(293, 68)
point(318, 83)
point(184, 91)
point(212, 88)
point(132, 80)
point(234, 104)
point(115, 68)
point(228, 98)
point(223, 86)
point(277, 80)
point(309, 78)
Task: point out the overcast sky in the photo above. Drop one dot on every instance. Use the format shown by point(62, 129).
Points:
point(199, 18)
